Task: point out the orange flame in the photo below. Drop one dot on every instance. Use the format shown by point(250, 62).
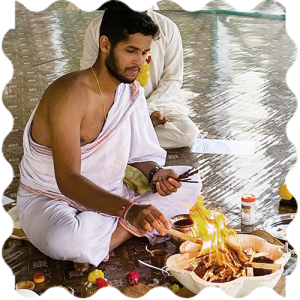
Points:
point(211, 227)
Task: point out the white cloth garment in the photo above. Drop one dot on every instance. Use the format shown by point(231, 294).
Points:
point(72, 6)
point(61, 228)
point(164, 82)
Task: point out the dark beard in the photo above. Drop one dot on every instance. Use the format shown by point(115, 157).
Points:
point(113, 69)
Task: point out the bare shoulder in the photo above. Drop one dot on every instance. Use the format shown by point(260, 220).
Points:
point(68, 88)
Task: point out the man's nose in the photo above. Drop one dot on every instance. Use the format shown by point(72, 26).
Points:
point(139, 60)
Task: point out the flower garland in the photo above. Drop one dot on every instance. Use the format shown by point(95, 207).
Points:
point(143, 76)
point(284, 192)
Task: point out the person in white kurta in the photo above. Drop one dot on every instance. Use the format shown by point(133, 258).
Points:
point(162, 90)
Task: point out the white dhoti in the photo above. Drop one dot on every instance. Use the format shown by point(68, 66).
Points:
point(64, 230)
point(64, 233)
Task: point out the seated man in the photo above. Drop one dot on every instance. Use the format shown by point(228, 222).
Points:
point(172, 125)
point(72, 203)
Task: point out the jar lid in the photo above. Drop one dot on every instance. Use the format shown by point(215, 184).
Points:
point(248, 198)
point(38, 277)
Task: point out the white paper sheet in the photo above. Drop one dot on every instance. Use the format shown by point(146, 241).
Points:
point(6, 200)
point(223, 146)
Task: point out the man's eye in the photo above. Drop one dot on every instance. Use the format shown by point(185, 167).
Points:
point(130, 51)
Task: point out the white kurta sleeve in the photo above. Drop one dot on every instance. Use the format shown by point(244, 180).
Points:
point(172, 77)
point(91, 44)
point(144, 143)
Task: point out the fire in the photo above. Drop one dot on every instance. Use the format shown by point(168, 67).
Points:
point(218, 241)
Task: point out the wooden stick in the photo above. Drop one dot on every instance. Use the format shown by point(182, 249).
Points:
point(264, 266)
point(249, 272)
point(183, 236)
point(191, 252)
point(260, 254)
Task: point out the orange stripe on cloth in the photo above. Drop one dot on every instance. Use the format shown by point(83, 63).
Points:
point(52, 196)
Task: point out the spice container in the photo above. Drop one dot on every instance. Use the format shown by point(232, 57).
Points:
point(38, 277)
point(248, 209)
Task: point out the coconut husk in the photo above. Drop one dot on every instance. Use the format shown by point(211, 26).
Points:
point(267, 236)
point(135, 291)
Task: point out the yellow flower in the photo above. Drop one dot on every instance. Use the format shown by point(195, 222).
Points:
point(94, 275)
point(143, 76)
point(284, 192)
point(174, 288)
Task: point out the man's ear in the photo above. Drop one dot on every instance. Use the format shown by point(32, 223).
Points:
point(104, 44)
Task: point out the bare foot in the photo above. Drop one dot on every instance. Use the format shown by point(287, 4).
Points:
point(81, 267)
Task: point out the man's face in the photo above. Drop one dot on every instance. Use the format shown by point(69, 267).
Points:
point(126, 59)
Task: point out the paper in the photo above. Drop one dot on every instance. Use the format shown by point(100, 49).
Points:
point(223, 146)
point(6, 200)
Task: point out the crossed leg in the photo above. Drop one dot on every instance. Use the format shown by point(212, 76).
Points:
point(119, 236)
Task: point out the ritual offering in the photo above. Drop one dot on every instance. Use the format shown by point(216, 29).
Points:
point(38, 277)
point(27, 284)
point(95, 281)
point(134, 289)
point(236, 263)
point(286, 197)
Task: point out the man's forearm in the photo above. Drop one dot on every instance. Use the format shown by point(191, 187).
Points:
point(91, 196)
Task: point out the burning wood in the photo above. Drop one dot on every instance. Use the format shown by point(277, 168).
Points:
point(221, 257)
point(249, 272)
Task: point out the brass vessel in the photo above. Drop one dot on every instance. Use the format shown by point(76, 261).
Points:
point(182, 223)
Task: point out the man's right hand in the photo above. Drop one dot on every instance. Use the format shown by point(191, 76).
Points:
point(146, 218)
point(157, 118)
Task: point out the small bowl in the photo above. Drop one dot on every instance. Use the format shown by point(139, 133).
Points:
point(27, 285)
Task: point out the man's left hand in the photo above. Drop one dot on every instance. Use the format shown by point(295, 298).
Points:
point(157, 118)
point(165, 182)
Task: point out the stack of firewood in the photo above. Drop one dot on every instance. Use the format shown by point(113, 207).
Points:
point(235, 263)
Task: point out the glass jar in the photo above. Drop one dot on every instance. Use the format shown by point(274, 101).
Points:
point(248, 209)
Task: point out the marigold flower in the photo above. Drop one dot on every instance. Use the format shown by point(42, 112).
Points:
point(284, 192)
point(143, 76)
point(94, 275)
point(174, 288)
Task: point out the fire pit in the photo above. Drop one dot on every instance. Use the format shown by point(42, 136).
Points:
point(179, 264)
point(219, 257)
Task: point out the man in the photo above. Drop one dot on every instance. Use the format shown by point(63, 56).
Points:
point(172, 125)
point(72, 203)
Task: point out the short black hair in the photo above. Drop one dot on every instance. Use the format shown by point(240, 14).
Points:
point(119, 21)
point(114, 5)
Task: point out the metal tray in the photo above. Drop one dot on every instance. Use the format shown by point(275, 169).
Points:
point(273, 224)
